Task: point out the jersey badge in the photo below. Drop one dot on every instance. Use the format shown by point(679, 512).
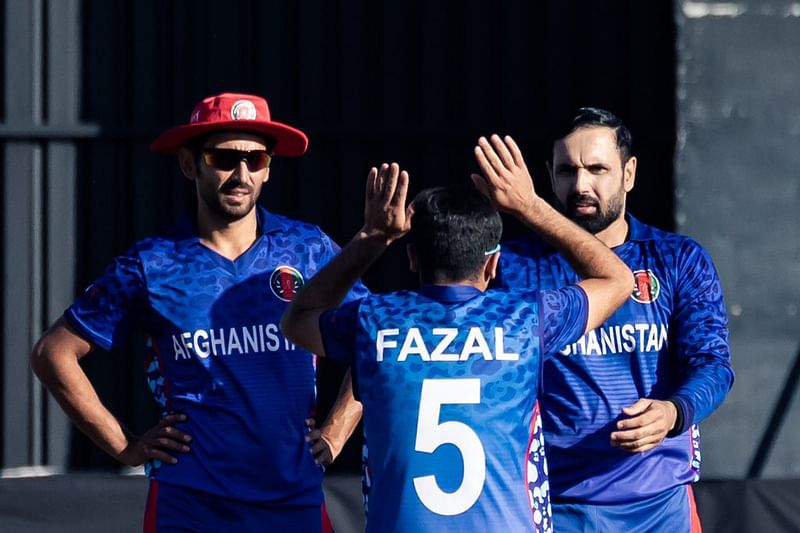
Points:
point(285, 282)
point(646, 287)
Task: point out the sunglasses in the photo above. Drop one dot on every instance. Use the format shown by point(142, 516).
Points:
point(228, 159)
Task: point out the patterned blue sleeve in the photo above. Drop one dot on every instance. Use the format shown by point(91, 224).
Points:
point(110, 307)
point(701, 325)
point(338, 330)
point(564, 313)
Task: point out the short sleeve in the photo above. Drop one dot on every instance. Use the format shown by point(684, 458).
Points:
point(111, 306)
point(338, 330)
point(564, 314)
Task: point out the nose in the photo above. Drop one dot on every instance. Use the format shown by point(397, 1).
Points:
point(241, 171)
point(582, 181)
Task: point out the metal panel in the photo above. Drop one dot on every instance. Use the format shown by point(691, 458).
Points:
point(22, 236)
point(63, 100)
point(42, 71)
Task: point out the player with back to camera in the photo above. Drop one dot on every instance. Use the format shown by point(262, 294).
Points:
point(443, 372)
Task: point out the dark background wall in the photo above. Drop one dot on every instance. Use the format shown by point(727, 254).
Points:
point(414, 81)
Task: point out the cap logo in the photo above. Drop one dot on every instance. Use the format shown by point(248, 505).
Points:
point(646, 286)
point(285, 282)
point(243, 110)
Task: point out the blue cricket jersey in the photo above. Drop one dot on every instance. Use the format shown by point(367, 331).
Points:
point(668, 341)
point(215, 353)
point(445, 376)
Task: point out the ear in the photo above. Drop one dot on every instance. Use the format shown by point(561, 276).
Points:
point(629, 174)
point(188, 163)
point(266, 175)
point(411, 252)
point(490, 268)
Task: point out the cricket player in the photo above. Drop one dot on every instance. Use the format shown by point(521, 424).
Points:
point(444, 372)
point(229, 453)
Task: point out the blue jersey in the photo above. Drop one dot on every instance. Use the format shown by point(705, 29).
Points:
point(444, 376)
point(215, 353)
point(668, 341)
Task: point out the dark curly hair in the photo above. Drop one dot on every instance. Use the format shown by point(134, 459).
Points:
point(452, 228)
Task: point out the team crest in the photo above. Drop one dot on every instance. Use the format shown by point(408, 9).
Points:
point(285, 283)
point(243, 110)
point(646, 286)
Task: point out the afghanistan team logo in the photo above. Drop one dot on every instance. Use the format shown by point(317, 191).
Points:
point(646, 286)
point(285, 282)
point(243, 110)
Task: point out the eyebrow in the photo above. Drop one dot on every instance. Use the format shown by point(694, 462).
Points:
point(561, 167)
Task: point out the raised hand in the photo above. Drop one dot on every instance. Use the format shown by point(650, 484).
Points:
point(505, 180)
point(159, 442)
point(385, 212)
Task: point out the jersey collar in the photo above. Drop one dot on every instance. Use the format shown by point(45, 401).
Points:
point(267, 222)
point(449, 294)
point(186, 228)
point(638, 231)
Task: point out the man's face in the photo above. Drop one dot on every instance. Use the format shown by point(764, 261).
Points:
point(589, 179)
point(228, 193)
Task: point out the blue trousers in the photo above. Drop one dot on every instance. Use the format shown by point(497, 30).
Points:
point(173, 509)
point(672, 511)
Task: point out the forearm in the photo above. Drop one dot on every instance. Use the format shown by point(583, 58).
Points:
point(343, 417)
point(703, 391)
point(386, 219)
point(327, 289)
point(66, 381)
point(330, 285)
point(607, 281)
point(590, 258)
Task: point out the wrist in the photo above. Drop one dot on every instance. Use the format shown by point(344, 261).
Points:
point(121, 444)
point(334, 447)
point(531, 211)
point(677, 425)
point(373, 239)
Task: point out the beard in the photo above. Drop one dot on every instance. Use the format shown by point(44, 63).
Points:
point(602, 217)
point(218, 204)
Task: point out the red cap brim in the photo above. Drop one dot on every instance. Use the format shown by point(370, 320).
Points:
point(289, 141)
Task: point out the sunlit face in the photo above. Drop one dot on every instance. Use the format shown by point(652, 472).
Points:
point(227, 194)
point(589, 179)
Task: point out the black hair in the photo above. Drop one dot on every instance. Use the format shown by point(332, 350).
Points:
point(587, 117)
point(452, 228)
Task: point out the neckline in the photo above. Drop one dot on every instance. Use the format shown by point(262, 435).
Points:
point(450, 293)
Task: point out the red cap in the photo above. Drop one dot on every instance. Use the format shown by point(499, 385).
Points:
point(233, 112)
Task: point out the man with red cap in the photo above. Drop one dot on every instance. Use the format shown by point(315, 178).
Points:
point(230, 452)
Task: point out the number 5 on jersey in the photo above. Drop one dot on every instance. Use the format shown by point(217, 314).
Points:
point(431, 434)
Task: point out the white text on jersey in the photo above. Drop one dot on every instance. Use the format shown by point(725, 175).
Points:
point(444, 349)
point(626, 338)
point(228, 341)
